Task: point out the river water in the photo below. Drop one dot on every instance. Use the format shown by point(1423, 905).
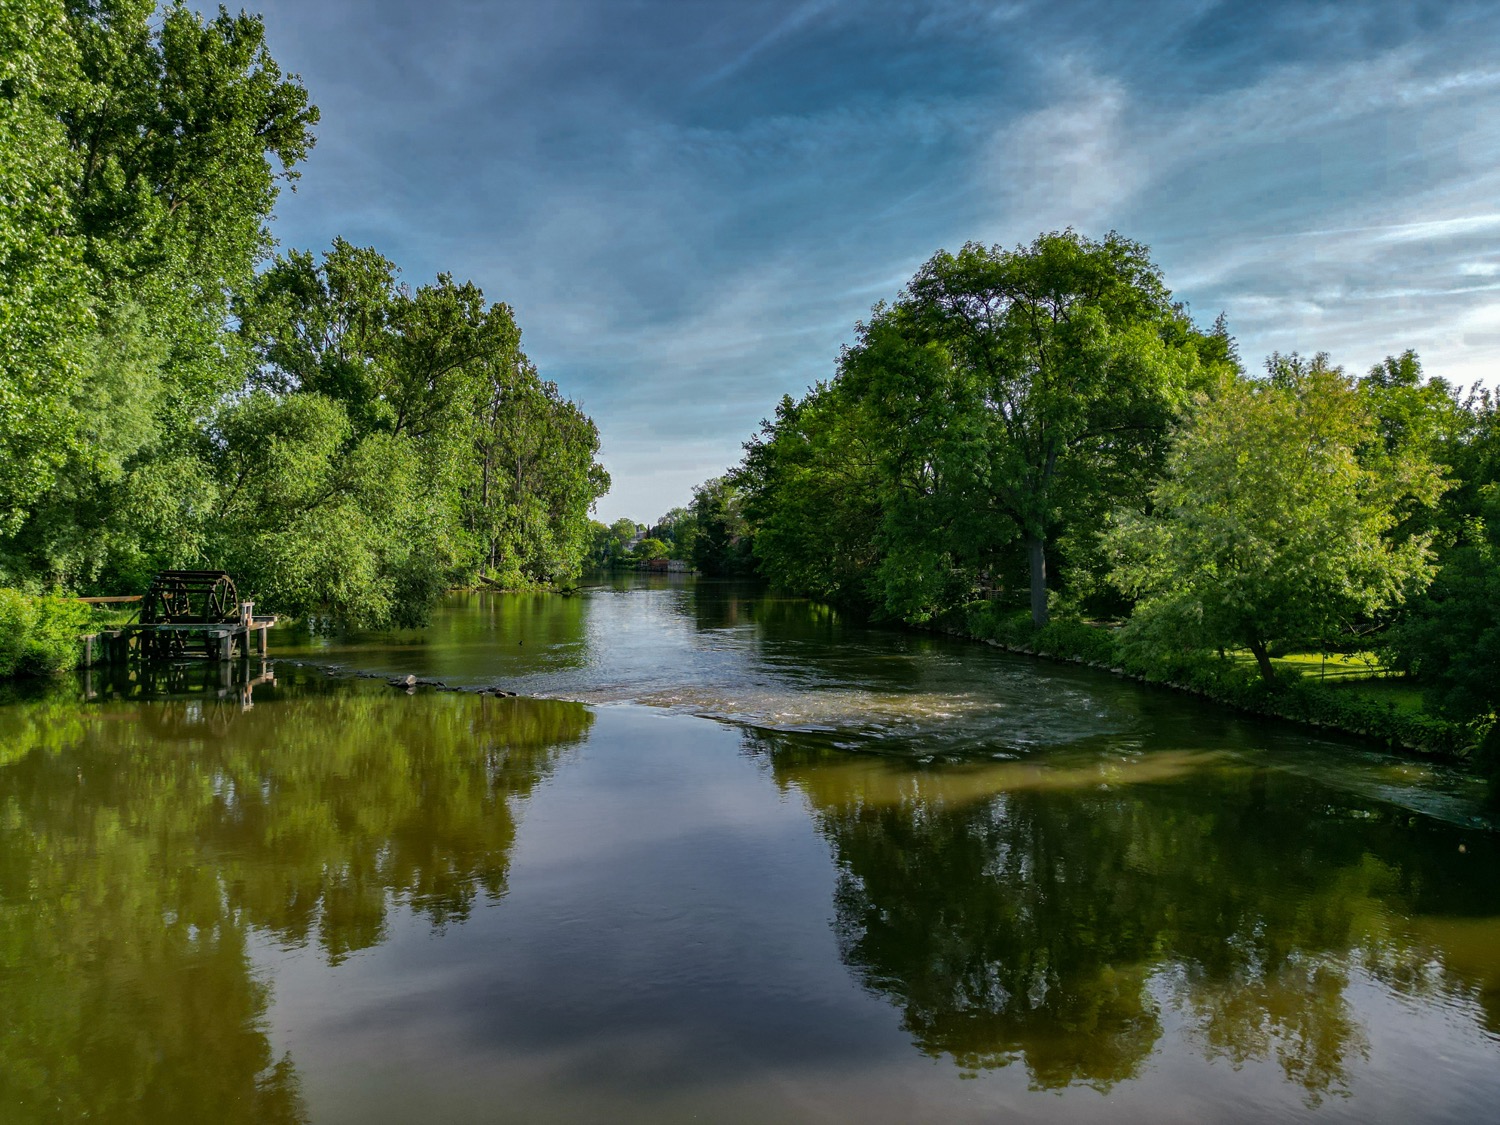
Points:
point(728, 858)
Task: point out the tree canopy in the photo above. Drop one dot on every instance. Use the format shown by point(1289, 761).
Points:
point(1006, 397)
point(172, 395)
point(1268, 526)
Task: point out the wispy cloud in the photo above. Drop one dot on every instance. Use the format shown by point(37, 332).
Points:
point(690, 205)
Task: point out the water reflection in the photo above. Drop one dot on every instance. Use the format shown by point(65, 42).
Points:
point(733, 651)
point(1047, 877)
point(132, 873)
point(1055, 914)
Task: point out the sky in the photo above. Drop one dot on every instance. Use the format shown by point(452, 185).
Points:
point(690, 204)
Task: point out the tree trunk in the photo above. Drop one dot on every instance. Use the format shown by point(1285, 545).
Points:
point(1036, 555)
point(1263, 661)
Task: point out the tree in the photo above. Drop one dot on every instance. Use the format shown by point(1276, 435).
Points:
point(1267, 527)
point(678, 530)
point(723, 544)
point(44, 282)
point(1451, 639)
point(533, 479)
point(1023, 392)
point(650, 548)
point(185, 128)
point(611, 544)
point(811, 496)
point(502, 465)
point(140, 156)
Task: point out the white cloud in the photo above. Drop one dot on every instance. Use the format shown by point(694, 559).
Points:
point(1346, 208)
point(1071, 163)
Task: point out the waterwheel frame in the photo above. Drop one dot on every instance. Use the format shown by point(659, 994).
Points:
point(186, 597)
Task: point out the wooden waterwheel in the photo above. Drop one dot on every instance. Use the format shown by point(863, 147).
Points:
point(186, 597)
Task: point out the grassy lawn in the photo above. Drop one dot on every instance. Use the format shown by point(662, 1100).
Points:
point(1359, 673)
point(1336, 666)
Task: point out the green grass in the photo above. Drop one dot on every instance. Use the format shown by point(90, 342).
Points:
point(1333, 667)
point(1401, 694)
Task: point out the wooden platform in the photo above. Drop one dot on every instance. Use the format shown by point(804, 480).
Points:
point(215, 641)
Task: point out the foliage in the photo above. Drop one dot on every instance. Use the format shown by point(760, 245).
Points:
point(1451, 640)
point(39, 634)
point(1267, 527)
point(610, 545)
point(722, 540)
point(678, 529)
point(1003, 402)
point(142, 153)
point(1046, 379)
point(809, 495)
point(650, 548)
point(345, 444)
point(533, 479)
point(45, 313)
point(453, 456)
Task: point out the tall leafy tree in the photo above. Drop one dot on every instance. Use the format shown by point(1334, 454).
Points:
point(1268, 527)
point(45, 311)
point(722, 541)
point(482, 464)
point(533, 478)
point(184, 129)
point(1068, 361)
point(812, 499)
point(148, 148)
point(1006, 397)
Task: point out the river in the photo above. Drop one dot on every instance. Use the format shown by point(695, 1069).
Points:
point(727, 857)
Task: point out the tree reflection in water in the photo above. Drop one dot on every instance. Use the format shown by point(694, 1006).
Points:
point(1053, 914)
point(134, 868)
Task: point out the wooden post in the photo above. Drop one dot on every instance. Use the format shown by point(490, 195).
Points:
point(261, 640)
point(226, 646)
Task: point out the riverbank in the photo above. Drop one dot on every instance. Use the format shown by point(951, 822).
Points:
point(1223, 680)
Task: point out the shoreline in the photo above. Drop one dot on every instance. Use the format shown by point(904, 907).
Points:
point(1296, 700)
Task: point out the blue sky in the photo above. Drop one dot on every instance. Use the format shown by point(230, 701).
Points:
point(689, 204)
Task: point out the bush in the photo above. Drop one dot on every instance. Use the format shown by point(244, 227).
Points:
point(39, 635)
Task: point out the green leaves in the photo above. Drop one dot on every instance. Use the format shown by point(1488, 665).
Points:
point(44, 282)
point(347, 444)
point(1267, 527)
point(1008, 396)
point(451, 455)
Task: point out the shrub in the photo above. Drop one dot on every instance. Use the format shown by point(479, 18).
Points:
point(39, 635)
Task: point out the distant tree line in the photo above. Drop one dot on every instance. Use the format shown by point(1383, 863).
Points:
point(1046, 429)
point(173, 394)
point(711, 534)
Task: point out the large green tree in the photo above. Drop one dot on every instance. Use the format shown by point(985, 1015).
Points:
point(1066, 362)
point(533, 477)
point(454, 456)
point(722, 539)
point(142, 152)
point(1268, 526)
point(1007, 398)
point(811, 497)
point(45, 311)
